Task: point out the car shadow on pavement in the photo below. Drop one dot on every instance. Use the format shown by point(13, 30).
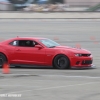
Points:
point(32, 67)
point(48, 67)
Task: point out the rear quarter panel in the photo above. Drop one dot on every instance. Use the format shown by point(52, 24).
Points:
point(7, 51)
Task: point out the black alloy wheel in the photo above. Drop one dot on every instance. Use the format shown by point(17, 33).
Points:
point(3, 60)
point(61, 62)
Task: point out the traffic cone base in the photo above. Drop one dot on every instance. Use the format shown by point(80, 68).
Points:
point(6, 68)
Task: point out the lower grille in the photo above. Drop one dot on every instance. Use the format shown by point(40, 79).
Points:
point(86, 55)
point(86, 62)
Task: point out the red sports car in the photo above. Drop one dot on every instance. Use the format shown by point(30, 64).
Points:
point(43, 51)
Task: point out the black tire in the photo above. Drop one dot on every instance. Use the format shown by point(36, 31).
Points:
point(3, 60)
point(61, 62)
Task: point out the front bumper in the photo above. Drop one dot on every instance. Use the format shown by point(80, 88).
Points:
point(84, 67)
point(81, 62)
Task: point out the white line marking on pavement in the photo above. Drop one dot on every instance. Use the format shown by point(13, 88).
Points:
point(70, 76)
point(56, 87)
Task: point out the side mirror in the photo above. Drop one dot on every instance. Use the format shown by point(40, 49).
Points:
point(38, 46)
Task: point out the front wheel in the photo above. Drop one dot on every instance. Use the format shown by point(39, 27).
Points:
point(61, 62)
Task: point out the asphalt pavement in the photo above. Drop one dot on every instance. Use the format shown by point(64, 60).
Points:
point(43, 83)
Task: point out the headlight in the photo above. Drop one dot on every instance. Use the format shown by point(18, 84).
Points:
point(78, 55)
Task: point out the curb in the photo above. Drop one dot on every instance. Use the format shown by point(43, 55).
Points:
point(68, 15)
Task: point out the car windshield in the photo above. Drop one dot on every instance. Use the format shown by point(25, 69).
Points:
point(49, 43)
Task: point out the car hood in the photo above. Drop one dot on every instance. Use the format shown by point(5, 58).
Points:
point(74, 49)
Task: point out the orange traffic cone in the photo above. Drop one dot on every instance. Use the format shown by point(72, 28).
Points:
point(56, 38)
point(78, 45)
point(6, 68)
point(92, 38)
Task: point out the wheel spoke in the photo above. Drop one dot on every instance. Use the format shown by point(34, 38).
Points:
point(61, 62)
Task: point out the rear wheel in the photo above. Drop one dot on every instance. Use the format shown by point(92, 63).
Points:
point(61, 62)
point(3, 59)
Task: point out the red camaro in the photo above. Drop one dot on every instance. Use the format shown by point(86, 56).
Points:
point(43, 51)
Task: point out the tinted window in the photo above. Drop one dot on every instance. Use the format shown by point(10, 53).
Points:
point(26, 43)
point(14, 43)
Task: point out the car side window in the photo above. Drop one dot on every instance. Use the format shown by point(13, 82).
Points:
point(14, 43)
point(26, 43)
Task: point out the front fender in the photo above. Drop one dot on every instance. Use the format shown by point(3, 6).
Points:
point(63, 52)
point(50, 55)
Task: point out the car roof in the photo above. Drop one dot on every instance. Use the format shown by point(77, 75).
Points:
point(31, 38)
point(23, 38)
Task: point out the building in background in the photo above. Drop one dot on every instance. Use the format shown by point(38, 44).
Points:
point(80, 5)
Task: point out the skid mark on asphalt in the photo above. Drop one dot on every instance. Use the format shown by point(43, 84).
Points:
point(17, 86)
point(41, 75)
point(56, 87)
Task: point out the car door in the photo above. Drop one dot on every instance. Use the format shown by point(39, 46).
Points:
point(25, 53)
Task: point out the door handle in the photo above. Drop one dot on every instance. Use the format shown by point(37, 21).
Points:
point(17, 49)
